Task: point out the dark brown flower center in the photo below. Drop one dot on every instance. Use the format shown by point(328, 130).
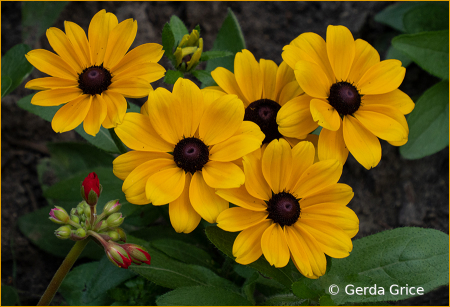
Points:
point(94, 80)
point(283, 209)
point(191, 154)
point(263, 112)
point(344, 97)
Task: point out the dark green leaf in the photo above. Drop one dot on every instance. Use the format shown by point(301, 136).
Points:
point(38, 16)
point(429, 50)
point(6, 85)
point(202, 296)
point(161, 231)
point(183, 252)
point(249, 287)
point(432, 16)
point(88, 284)
point(172, 76)
point(140, 215)
point(393, 53)
point(209, 55)
point(168, 42)
point(204, 77)
point(287, 299)
point(428, 123)
point(326, 300)
point(15, 66)
point(9, 296)
point(393, 14)
point(178, 29)
point(229, 38)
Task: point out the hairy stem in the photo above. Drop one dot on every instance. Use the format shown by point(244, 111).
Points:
point(122, 148)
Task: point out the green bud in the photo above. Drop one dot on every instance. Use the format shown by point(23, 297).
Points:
point(58, 215)
point(115, 220)
point(87, 211)
point(80, 232)
point(73, 211)
point(103, 226)
point(63, 232)
point(80, 207)
point(75, 218)
point(111, 207)
point(122, 234)
point(114, 235)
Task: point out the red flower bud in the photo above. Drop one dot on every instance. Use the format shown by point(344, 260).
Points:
point(137, 253)
point(117, 255)
point(91, 189)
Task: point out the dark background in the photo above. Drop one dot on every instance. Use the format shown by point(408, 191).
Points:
point(396, 193)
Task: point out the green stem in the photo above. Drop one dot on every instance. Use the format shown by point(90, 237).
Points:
point(122, 148)
point(59, 276)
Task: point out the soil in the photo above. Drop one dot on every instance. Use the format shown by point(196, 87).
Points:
point(398, 192)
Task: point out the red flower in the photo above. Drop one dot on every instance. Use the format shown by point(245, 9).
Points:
point(137, 253)
point(90, 189)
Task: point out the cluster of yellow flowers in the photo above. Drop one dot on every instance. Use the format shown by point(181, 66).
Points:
point(246, 141)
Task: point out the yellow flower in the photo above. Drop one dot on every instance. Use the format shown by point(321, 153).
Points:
point(290, 208)
point(93, 77)
point(265, 88)
point(353, 96)
point(184, 145)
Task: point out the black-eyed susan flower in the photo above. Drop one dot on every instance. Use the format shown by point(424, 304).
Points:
point(353, 95)
point(269, 93)
point(184, 145)
point(290, 208)
point(93, 75)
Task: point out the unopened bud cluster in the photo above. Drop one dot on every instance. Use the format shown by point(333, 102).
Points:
point(189, 51)
point(83, 221)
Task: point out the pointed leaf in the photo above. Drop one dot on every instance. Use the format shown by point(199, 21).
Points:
point(15, 66)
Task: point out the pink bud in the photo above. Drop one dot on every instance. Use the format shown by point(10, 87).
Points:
point(117, 255)
point(58, 215)
point(137, 253)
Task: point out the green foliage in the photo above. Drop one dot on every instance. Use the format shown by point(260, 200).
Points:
point(9, 296)
point(172, 76)
point(427, 17)
point(429, 123)
point(15, 68)
point(393, 14)
point(204, 77)
point(178, 29)
point(168, 42)
point(184, 252)
point(209, 55)
point(202, 296)
point(136, 291)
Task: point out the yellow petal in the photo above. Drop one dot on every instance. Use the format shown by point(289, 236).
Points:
point(340, 216)
point(255, 183)
point(70, 115)
point(341, 50)
point(146, 53)
point(95, 116)
point(302, 158)
point(325, 115)
point(131, 87)
point(137, 133)
point(362, 143)
point(223, 175)
point(134, 184)
point(396, 99)
point(211, 93)
point(299, 251)
point(221, 119)
point(124, 164)
point(165, 186)
point(247, 246)
point(116, 109)
point(338, 193)
point(63, 47)
point(385, 122)
point(80, 43)
point(382, 78)
point(312, 79)
point(192, 105)
point(248, 75)
point(365, 57)
point(56, 97)
point(51, 64)
point(204, 199)
point(317, 177)
point(183, 217)
point(150, 72)
point(240, 197)
point(237, 219)
point(274, 246)
point(269, 75)
point(50, 83)
point(119, 41)
point(101, 25)
point(332, 146)
point(294, 119)
point(290, 91)
point(285, 75)
point(277, 164)
point(227, 82)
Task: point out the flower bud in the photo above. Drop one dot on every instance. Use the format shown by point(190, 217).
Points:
point(63, 232)
point(80, 232)
point(115, 220)
point(75, 218)
point(188, 52)
point(91, 189)
point(87, 211)
point(103, 225)
point(73, 211)
point(111, 207)
point(114, 235)
point(117, 255)
point(122, 234)
point(137, 253)
point(58, 215)
point(80, 207)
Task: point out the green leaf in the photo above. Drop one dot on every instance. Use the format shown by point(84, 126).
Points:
point(9, 296)
point(432, 16)
point(204, 77)
point(6, 84)
point(428, 123)
point(326, 300)
point(396, 54)
point(229, 38)
point(202, 296)
point(178, 29)
point(15, 66)
point(153, 233)
point(285, 299)
point(102, 140)
point(249, 287)
point(168, 42)
point(172, 76)
point(183, 252)
point(88, 284)
point(393, 14)
point(209, 55)
point(224, 240)
point(38, 16)
point(429, 50)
